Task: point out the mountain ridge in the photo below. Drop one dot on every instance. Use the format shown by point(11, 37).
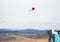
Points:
point(24, 31)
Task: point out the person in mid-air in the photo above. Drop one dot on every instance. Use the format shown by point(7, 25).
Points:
point(33, 8)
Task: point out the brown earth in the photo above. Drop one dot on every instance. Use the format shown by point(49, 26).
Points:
point(29, 40)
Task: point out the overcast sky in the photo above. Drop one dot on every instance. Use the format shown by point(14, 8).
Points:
point(15, 14)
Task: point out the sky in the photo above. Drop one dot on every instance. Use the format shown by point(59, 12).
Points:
point(15, 14)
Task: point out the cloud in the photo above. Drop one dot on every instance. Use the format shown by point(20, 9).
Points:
point(15, 13)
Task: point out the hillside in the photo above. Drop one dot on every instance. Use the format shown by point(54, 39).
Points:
point(25, 31)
